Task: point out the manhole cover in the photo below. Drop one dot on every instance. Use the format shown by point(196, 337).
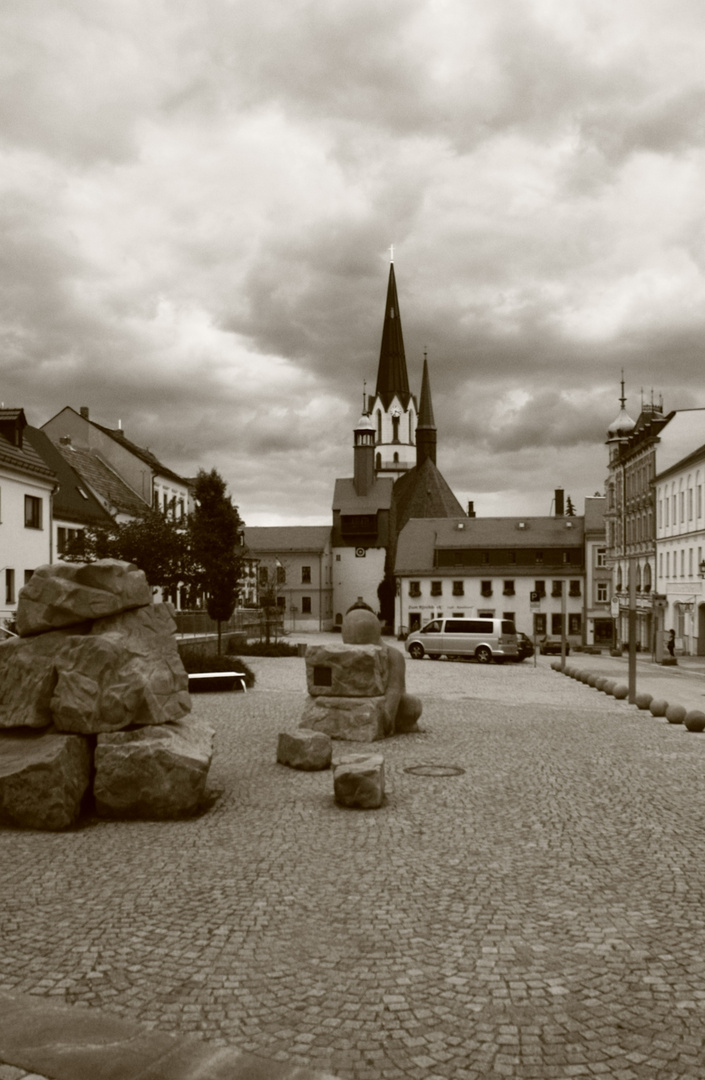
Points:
point(435, 770)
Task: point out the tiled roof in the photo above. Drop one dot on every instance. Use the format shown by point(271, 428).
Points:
point(423, 492)
point(273, 538)
point(72, 500)
point(104, 481)
point(141, 452)
point(24, 459)
point(347, 500)
point(421, 537)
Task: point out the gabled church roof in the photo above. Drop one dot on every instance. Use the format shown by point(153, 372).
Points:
point(392, 376)
point(423, 493)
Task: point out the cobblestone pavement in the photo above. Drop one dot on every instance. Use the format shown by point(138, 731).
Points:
point(539, 915)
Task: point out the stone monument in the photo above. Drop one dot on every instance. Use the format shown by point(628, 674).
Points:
point(357, 689)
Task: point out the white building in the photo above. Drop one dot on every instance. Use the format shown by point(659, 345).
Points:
point(26, 489)
point(528, 569)
point(680, 531)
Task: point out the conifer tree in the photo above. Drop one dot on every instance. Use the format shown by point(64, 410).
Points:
point(215, 529)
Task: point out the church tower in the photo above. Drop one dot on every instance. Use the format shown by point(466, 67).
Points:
point(393, 408)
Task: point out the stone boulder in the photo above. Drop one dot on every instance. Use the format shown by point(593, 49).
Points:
point(342, 670)
point(27, 679)
point(43, 778)
point(126, 672)
point(305, 750)
point(363, 719)
point(358, 781)
point(153, 772)
point(66, 594)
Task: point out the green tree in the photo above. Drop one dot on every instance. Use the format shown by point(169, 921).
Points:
point(215, 531)
point(157, 544)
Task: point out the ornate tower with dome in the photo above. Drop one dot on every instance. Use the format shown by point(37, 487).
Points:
point(630, 514)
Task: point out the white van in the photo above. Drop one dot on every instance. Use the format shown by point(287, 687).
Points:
point(484, 639)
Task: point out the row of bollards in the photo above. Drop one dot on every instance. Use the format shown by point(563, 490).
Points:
point(693, 719)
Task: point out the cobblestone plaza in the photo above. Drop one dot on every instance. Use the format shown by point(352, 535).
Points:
point(530, 906)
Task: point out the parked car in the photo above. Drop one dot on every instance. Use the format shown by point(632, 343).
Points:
point(484, 639)
point(524, 645)
point(552, 647)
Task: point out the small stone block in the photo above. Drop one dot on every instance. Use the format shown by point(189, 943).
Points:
point(658, 707)
point(643, 701)
point(306, 750)
point(620, 692)
point(358, 781)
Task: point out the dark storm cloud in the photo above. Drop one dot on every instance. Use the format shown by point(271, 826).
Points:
point(197, 205)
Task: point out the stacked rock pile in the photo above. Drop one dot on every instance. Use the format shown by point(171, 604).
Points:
point(694, 720)
point(94, 702)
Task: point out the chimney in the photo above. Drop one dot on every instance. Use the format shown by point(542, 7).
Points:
point(84, 412)
point(471, 509)
point(559, 502)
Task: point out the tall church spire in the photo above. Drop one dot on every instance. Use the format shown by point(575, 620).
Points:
point(426, 434)
point(392, 377)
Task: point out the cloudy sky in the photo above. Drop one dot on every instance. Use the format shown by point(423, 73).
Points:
point(198, 198)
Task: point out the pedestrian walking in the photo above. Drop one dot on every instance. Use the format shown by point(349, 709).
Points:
point(671, 643)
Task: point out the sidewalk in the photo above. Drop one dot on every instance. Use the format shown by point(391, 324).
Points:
point(680, 685)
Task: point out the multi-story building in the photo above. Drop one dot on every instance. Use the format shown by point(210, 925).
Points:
point(680, 530)
point(639, 452)
point(629, 517)
point(27, 485)
point(598, 623)
point(292, 567)
point(528, 569)
point(75, 507)
point(150, 481)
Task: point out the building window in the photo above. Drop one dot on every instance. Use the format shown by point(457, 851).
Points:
point(305, 575)
point(281, 602)
point(485, 557)
point(436, 588)
point(508, 588)
point(305, 605)
point(510, 615)
point(556, 623)
point(647, 578)
point(32, 512)
point(9, 586)
point(539, 624)
point(575, 623)
point(574, 589)
point(281, 574)
point(557, 588)
point(486, 588)
point(263, 577)
point(540, 587)
point(415, 588)
point(458, 588)
point(602, 592)
point(601, 559)
point(539, 556)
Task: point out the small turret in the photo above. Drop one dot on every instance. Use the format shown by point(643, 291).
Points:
point(426, 433)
